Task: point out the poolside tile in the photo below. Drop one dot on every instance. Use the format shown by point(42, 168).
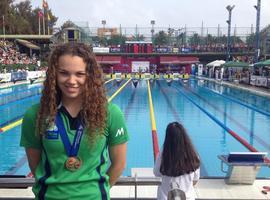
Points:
point(212, 189)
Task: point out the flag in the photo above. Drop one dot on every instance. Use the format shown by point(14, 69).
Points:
point(45, 4)
point(50, 24)
point(40, 13)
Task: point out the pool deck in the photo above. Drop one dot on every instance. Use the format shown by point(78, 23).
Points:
point(11, 84)
point(205, 189)
point(262, 91)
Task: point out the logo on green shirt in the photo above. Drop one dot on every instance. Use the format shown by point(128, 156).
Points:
point(119, 132)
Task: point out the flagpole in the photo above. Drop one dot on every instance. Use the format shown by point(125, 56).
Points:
point(44, 21)
point(48, 23)
point(39, 23)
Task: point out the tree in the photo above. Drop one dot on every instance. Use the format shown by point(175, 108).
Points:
point(137, 37)
point(5, 5)
point(250, 41)
point(180, 39)
point(195, 39)
point(222, 39)
point(209, 39)
point(59, 37)
point(117, 40)
point(22, 13)
point(5, 10)
point(35, 17)
point(161, 38)
point(21, 19)
point(103, 41)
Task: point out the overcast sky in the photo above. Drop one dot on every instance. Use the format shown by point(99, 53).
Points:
point(175, 13)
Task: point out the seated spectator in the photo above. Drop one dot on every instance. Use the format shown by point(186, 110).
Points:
point(9, 55)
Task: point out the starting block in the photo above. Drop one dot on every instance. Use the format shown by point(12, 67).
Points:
point(242, 166)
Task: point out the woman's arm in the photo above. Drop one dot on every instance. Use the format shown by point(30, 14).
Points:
point(118, 162)
point(33, 156)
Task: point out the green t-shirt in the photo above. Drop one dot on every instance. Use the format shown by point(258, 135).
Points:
point(90, 181)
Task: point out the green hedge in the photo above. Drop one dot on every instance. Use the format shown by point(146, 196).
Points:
point(15, 67)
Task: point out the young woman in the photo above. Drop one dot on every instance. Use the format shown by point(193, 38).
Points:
point(73, 133)
point(177, 162)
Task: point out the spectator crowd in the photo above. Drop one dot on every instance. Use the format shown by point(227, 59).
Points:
point(9, 55)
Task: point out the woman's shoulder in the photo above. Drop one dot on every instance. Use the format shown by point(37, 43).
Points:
point(33, 110)
point(113, 108)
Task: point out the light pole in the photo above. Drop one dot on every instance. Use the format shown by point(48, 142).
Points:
point(103, 22)
point(152, 30)
point(257, 50)
point(229, 8)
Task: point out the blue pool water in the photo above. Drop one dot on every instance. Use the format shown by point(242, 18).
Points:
point(242, 112)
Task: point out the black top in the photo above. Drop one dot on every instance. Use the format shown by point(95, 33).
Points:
point(73, 121)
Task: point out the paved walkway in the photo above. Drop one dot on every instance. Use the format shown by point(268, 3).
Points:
point(205, 189)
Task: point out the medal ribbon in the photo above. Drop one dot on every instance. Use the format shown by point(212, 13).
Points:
point(71, 150)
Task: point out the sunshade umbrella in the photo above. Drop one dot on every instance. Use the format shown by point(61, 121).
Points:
point(262, 63)
point(236, 64)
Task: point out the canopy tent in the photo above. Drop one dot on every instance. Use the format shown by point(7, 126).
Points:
point(262, 63)
point(216, 63)
point(236, 64)
point(28, 44)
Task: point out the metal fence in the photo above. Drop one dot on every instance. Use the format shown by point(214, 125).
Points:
point(20, 182)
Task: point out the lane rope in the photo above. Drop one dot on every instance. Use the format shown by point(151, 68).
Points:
point(153, 123)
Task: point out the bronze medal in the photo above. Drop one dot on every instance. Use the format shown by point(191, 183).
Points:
point(73, 163)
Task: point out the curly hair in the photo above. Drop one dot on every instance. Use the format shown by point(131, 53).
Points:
point(94, 102)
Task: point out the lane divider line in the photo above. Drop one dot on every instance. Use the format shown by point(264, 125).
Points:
point(239, 102)
point(235, 135)
point(242, 127)
point(109, 81)
point(118, 91)
point(153, 123)
point(10, 126)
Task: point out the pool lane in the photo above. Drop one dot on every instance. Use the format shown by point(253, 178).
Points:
point(249, 124)
point(234, 121)
point(135, 106)
point(177, 118)
point(170, 105)
point(251, 107)
point(244, 96)
point(209, 138)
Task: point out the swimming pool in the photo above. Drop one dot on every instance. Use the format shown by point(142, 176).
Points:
point(204, 108)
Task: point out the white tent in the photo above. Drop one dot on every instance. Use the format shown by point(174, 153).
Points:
point(216, 63)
